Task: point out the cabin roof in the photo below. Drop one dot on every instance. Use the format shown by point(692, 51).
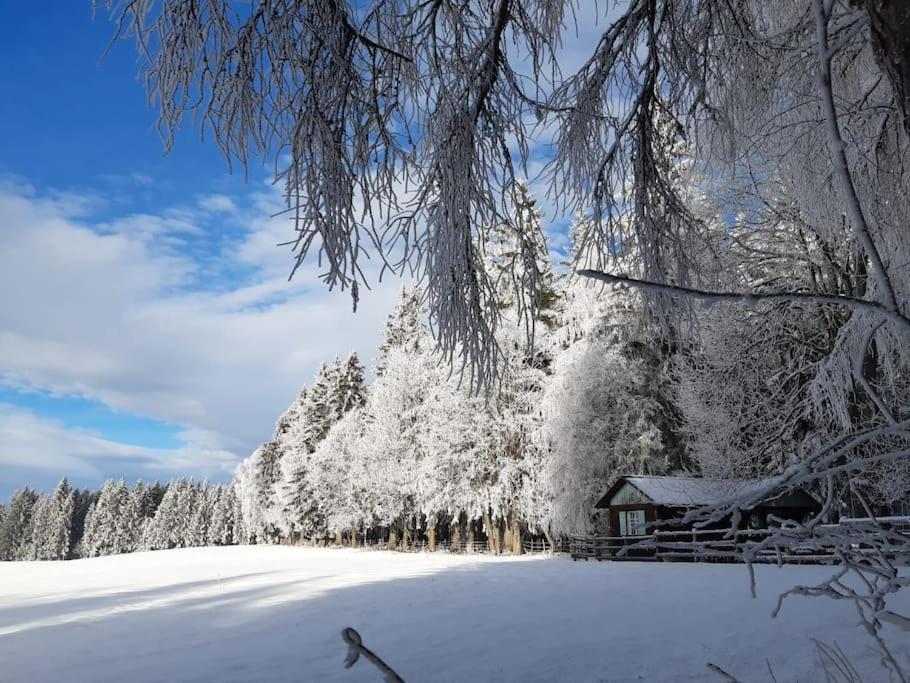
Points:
point(686, 491)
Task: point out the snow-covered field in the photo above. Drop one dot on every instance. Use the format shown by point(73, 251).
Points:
point(259, 613)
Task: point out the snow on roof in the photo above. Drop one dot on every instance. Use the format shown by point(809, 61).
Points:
point(686, 491)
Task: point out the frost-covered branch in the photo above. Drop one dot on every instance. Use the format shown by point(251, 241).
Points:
point(838, 152)
point(751, 298)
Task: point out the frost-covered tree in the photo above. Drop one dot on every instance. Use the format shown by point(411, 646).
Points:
point(199, 530)
point(60, 532)
point(82, 502)
point(273, 485)
point(371, 468)
point(606, 409)
point(460, 477)
point(86, 540)
point(336, 390)
point(247, 498)
point(396, 413)
point(131, 522)
point(223, 525)
point(517, 261)
point(405, 328)
point(41, 520)
point(109, 530)
point(344, 488)
point(172, 525)
point(52, 525)
point(16, 528)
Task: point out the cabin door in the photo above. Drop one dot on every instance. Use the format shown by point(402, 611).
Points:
point(631, 522)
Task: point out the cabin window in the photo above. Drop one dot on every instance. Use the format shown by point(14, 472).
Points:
point(631, 522)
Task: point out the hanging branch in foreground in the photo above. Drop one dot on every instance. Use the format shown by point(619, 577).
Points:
point(750, 298)
point(356, 648)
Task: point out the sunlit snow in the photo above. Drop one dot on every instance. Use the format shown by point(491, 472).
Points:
point(256, 613)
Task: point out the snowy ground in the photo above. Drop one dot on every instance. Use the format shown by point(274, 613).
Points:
point(275, 614)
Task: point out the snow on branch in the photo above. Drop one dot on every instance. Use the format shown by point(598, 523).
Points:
point(751, 298)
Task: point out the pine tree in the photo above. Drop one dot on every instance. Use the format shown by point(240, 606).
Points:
point(605, 408)
point(220, 523)
point(404, 328)
point(41, 521)
point(266, 463)
point(52, 524)
point(83, 499)
point(272, 486)
point(112, 528)
point(517, 261)
point(131, 523)
point(16, 529)
point(87, 540)
point(100, 526)
point(60, 530)
point(200, 525)
point(239, 531)
point(336, 390)
point(155, 494)
point(350, 390)
point(172, 526)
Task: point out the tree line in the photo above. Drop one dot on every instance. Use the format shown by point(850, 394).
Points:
point(75, 523)
point(607, 388)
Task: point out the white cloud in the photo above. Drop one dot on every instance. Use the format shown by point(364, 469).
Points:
point(33, 442)
point(218, 203)
point(120, 313)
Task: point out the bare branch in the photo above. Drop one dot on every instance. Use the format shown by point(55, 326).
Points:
point(356, 648)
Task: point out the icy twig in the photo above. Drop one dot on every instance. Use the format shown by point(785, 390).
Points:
point(723, 674)
point(357, 648)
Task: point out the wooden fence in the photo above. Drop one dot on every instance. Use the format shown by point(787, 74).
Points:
point(529, 546)
point(701, 545)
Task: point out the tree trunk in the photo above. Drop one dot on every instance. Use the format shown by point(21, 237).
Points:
point(405, 539)
point(431, 538)
point(550, 541)
point(492, 532)
point(469, 541)
point(393, 538)
point(339, 538)
point(353, 538)
point(456, 537)
point(508, 543)
point(889, 26)
point(517, 547)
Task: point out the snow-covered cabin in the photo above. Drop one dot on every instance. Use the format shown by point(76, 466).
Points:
point(635, 501)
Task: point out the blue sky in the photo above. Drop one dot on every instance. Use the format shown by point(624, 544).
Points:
point(147, 328)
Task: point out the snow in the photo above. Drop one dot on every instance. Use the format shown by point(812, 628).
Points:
point(250, 613)
point(690, 491)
